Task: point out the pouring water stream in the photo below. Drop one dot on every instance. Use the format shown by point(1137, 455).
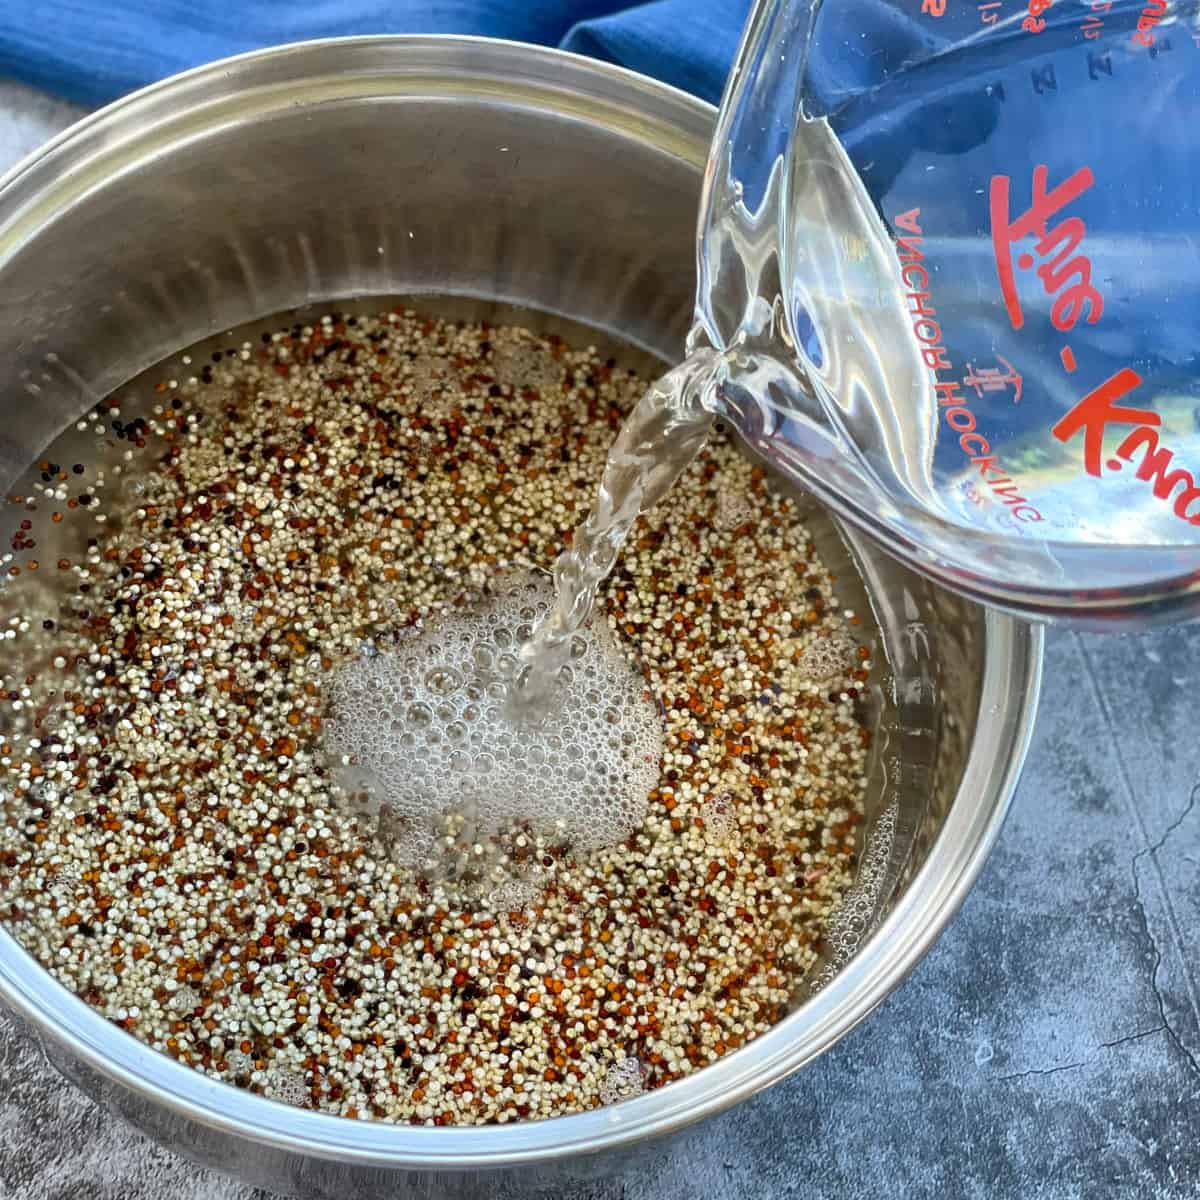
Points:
point(740, 346)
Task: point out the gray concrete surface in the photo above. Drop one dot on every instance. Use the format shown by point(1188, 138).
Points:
point(1049, 1047)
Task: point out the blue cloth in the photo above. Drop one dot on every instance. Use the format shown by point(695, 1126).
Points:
point(92, 51)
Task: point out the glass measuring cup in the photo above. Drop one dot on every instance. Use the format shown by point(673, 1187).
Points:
point(950, 251)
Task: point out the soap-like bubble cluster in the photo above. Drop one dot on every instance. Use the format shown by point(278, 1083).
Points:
point(734, 508)
point(518, 892)
point(720, 819)
point(861, 908)
point(184, 1000)
point(521, 363)
point(66, 881)
point(287, 1086)
point(825, 657)
point(239, 1062)
point(623, 1080)
point(429, 382)
point(420, 731)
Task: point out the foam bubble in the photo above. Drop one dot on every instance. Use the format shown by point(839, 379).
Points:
point(420, 730)
point(623, 1080)
point(184, 1001)
point(432, 382)
point(66, 881)
point(520, 363)
point(720, 819)
point(861, 907)
point(287, 1086)
point(517, 893)
point(238, 1062)
point(734, 508)
point(825, 657)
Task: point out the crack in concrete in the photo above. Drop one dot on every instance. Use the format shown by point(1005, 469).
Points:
point(1151, 851)
point(1159, 999)
point(1044, 1071)
point(1083, 1062)
point(1133, 1037)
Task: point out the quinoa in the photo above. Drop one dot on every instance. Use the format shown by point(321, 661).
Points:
point(175, 846)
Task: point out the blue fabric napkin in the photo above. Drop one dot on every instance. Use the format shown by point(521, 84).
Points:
point(92, 51)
